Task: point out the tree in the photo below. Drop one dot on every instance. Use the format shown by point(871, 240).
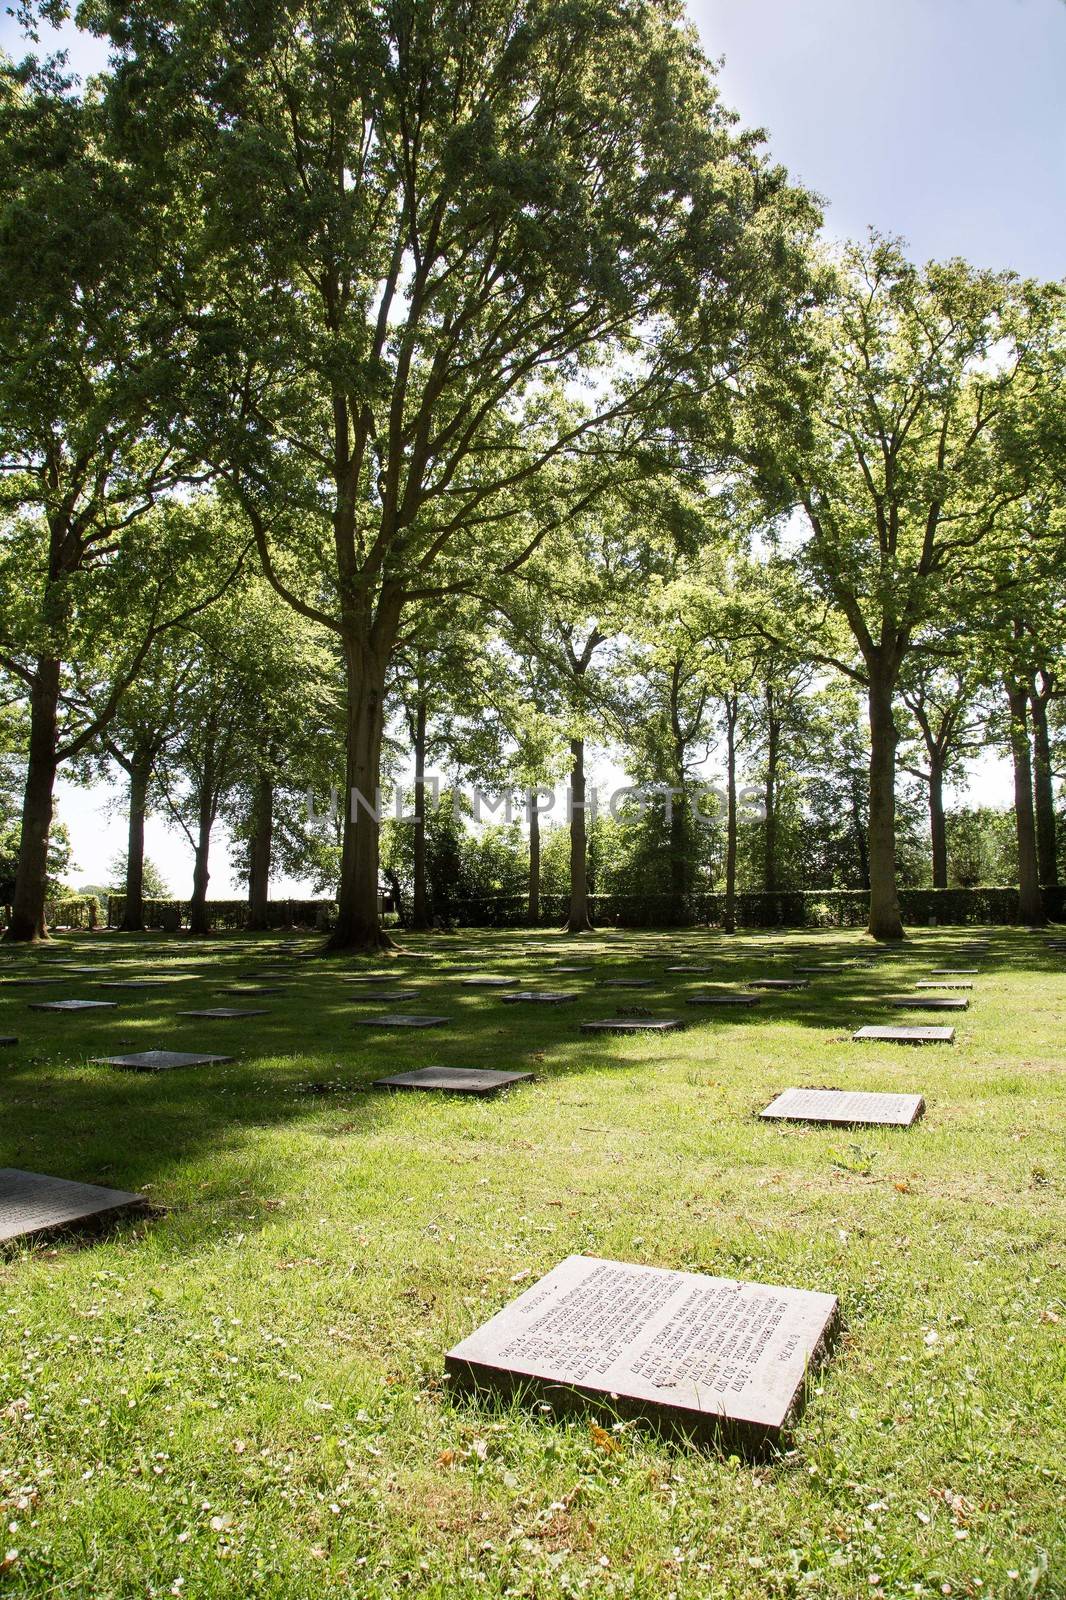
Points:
point(416, 230)
point(950, 714)
point(887, 440)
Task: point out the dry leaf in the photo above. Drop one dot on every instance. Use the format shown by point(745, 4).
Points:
point(602, 1439)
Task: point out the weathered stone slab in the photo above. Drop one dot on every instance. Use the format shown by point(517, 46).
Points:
point(382, 996)
point(779, 983)
point(454, 1080)
point(906, 1035)
point(690, 966)
point(723, 1361)
point(159, 1060)
point(825, 966)
point(32, 983)
point(580, 967)
point(252, 988)
point(226, 1011)
point(9, 1039)
point(724, 997)
point(954, 972)
point(946, 983)
point(537, 997)
point(628, 983)
point(33, 1202)
point(73, 1005)
point(845, 1108)
point(928, 1002)
point(633, 1025)
point(135, 983)
point(409, 1019)
point(487, 982)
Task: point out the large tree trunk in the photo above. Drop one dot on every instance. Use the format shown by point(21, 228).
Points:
point(729, 915)
point(31, 877)
point(885, 919)
point(533, 906)
point(1030, 900)
point(133, 912)
point(262, 842)
point(679, 884)
point(358, 920)
point(938, 831)
point(1043, 791)
point(773, 755)
point(198, 918)
point(420, 917)
point(578, 919)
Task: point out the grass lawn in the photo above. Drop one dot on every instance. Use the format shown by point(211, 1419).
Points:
point(243, 1394)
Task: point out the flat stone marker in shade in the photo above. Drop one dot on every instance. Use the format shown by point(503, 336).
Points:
point(779, 983)
point(486, 982)
point(538, 997)
point(253, 988)
point(725, 997)
point(73, 1005)
point(905, 1035)
point(226, 1011)
point(633, 1025)
point(928, 1002)
point(954, 972)
point(454, 1080)
point(628, 983)
point(946, 983)
point(722, 1361)
point(382, 997)
point(9, 1039)
point(159, 1060)
point(586, 967)
point(690, 966)
point(135, 983)
point(845, 1108)
point(400, 1019)
point(826, 966)
point(33, 1202)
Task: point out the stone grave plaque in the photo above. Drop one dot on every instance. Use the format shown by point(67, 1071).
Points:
point(906, 1035)
point(159, 1060)
point(954, 972)
point(633, 1025)
point(226, 1011)
point(252, 988)
point(946, 983)
point(826, 966)
point(454, 1080)
point(365, 977)
point(33, 983)
point(8, 1039)
point(73, 1005)
point(382, 996)
point(689, 966)
point(928, 1002)
point(628, 983)
point(537, 997)
point(779, 983)
point(723, 1361)
point(725, 997)
point(845, 1108)
point(488, 982)
point(586, 967)
point(33, 1202)
point(135, 983)
point(409, 1019)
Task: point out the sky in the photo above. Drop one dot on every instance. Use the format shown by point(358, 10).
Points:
point(937, 121)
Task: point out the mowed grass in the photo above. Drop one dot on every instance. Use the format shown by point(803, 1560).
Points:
point(244, 1393)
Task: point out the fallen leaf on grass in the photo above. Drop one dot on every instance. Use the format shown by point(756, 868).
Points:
point(602, 1439)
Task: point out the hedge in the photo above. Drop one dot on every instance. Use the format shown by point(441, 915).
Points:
point(74, 911)
point(169, 915)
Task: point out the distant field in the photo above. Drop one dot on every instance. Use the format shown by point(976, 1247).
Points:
point(244, 1394)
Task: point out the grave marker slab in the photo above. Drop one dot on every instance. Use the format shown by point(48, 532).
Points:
point(633, 1025)
point(954, 972)
point(33, 1202)
point(398, 1019)
point(628, 983)
point(537, 997)
point(252, 988)
point(722, 1361)
point(9, 1039)
point(382, 996)
point(905, 1035)
point(586, 967)
point(159, 1060)
point(826, 966)
point(724, 998)
point(845, 1108)
point(779, 983)
point(226, 1011)
point(928, 1002)
point(134, 983)
point(690, 966)
point(946, 983)
point(454, 1080)
point(488, 981)
point(73, 1005)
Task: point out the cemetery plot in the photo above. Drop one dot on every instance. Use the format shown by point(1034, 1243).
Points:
point(723, 1361)
point(628, 983)
point(538, 997)
point(382, 996)
point(73, 1005)
point(779, 983)
point(33, 1202)
point(408, 1019)
point(454, 1080)
point(954, 972)
point(159, 1060)
point(946, 983)
point(905, 1035)
point(8, 1039)
point(226, 1011)
point(488, 982)
point(724, 997)
point(928, 1002)
point(844, 1108)
point(633, 1025)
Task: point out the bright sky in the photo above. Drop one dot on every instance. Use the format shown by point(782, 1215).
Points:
point(937, 120)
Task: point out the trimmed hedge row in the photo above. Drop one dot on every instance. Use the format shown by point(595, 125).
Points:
point(169, 915)
point(73, 911)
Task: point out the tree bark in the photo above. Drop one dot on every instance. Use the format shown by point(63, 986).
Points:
point(198, 918)
point(262, 842)
point(420, 916)
point(1043, 791)
point(578, 919)
point(366, 663)
point(133, 911)
point(938, 831)
point(773, 756)
point(1030, 900)
point(27, 922)
point(729, 914)
point(679, 885)
point(885, 919)
point(533, 907)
